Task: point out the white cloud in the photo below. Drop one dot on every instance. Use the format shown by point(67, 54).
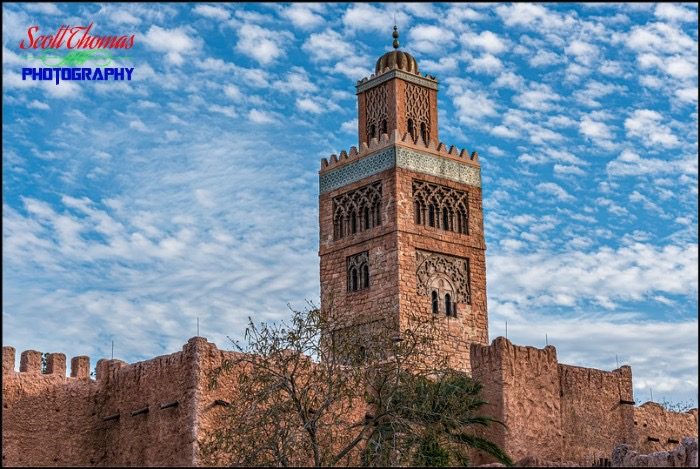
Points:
point(544, 58)
point(444, 64)
point(233, 92)
point(555, 190)
point(509, 80)
point(262, 45)
point(646, 124)
point(121, 16)
point(349, 127)
point(486, 40)
point(38, 105)
point(675, 12)
point(629, 163)
point(687, 95)
point(227, 111)
point(212, 11)
point(44, 8)
point(487, 63)
point(534, 17)
point(584, 52)
point(304, 15)
point(174, 42)
point(261, 117)
point(595, 130)
point(568, 169)
point(430, 39)
point(365, 17)
point(539, 97)
point(309, 105)
point(327, 45)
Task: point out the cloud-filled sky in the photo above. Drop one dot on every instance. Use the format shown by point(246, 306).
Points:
point(132, 208)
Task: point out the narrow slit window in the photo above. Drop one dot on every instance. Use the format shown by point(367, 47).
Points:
point(448, 304)
point(365, 276)
point(434, 298)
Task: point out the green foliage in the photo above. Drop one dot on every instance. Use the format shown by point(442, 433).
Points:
point(430, 454)
point(313, 391)
point(432, 418)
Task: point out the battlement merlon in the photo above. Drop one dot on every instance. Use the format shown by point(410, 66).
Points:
point(401, 152)
point(394, 138)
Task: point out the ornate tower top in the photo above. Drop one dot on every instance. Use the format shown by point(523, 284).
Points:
point(396, 59)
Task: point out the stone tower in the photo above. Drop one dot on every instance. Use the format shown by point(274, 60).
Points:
point(401, 221)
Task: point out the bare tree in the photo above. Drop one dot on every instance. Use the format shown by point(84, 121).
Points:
point(323, 391)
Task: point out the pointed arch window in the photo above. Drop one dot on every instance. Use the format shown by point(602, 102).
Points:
point(357, 210)
point(384, 128)
point(358, 272)
point(447, 208)
point(423, 132)
point(411, 129)
point(448, 304)
point(435, 302)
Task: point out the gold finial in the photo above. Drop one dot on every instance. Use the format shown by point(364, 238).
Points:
point(395, 35)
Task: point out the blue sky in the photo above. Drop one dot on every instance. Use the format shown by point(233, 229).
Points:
point(132, 208)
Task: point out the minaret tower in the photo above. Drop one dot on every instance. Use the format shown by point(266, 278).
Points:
point(401, 220)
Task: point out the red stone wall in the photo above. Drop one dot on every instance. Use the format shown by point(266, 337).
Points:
point(594, 415)
point(566, 413)
point(56, 420)
point(47, 418)
point(471, 323)
point(380, 300)
point(524, 383)
point(652, 422)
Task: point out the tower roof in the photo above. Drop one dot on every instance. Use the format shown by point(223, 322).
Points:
point(396, 59)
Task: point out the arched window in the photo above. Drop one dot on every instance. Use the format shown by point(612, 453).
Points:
point(434, 298)
point(338, 225)
point(365, 276)
point(423, 132)
point(384, 126)
point(418, 209)
point(445, 219)
point(353, 279)
point(356, 210)
point(448, 304)
point(411, 129)
point(353, 222)
point(440, 207)
point(372, 132)
point(376, 213)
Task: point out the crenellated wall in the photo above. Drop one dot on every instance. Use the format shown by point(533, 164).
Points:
point(155, 412)
point(567, 413)
point(146, 413)
point(656, 429)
